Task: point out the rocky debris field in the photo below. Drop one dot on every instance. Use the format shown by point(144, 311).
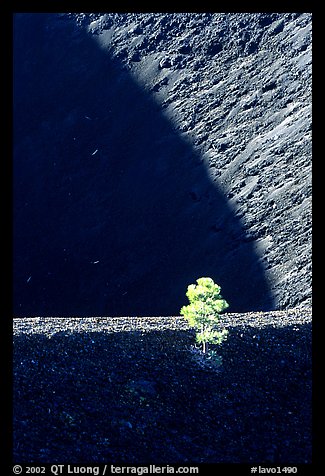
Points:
point(129, 390)
point(152, 149)
point(238, 87)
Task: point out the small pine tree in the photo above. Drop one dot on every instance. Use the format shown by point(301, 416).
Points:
point(203, 311)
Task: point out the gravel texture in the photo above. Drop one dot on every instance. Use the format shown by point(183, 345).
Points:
point(129, 390)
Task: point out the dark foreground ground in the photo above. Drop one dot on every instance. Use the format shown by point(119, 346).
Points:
point(128, 390)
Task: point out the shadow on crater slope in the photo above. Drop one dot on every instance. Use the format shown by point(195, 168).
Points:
point(114, 214)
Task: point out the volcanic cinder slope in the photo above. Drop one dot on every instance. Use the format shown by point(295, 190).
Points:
point(152, 149)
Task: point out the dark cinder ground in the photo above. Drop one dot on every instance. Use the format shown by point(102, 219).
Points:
point(128, 390)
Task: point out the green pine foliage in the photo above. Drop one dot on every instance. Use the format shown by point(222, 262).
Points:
point(203, 311)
